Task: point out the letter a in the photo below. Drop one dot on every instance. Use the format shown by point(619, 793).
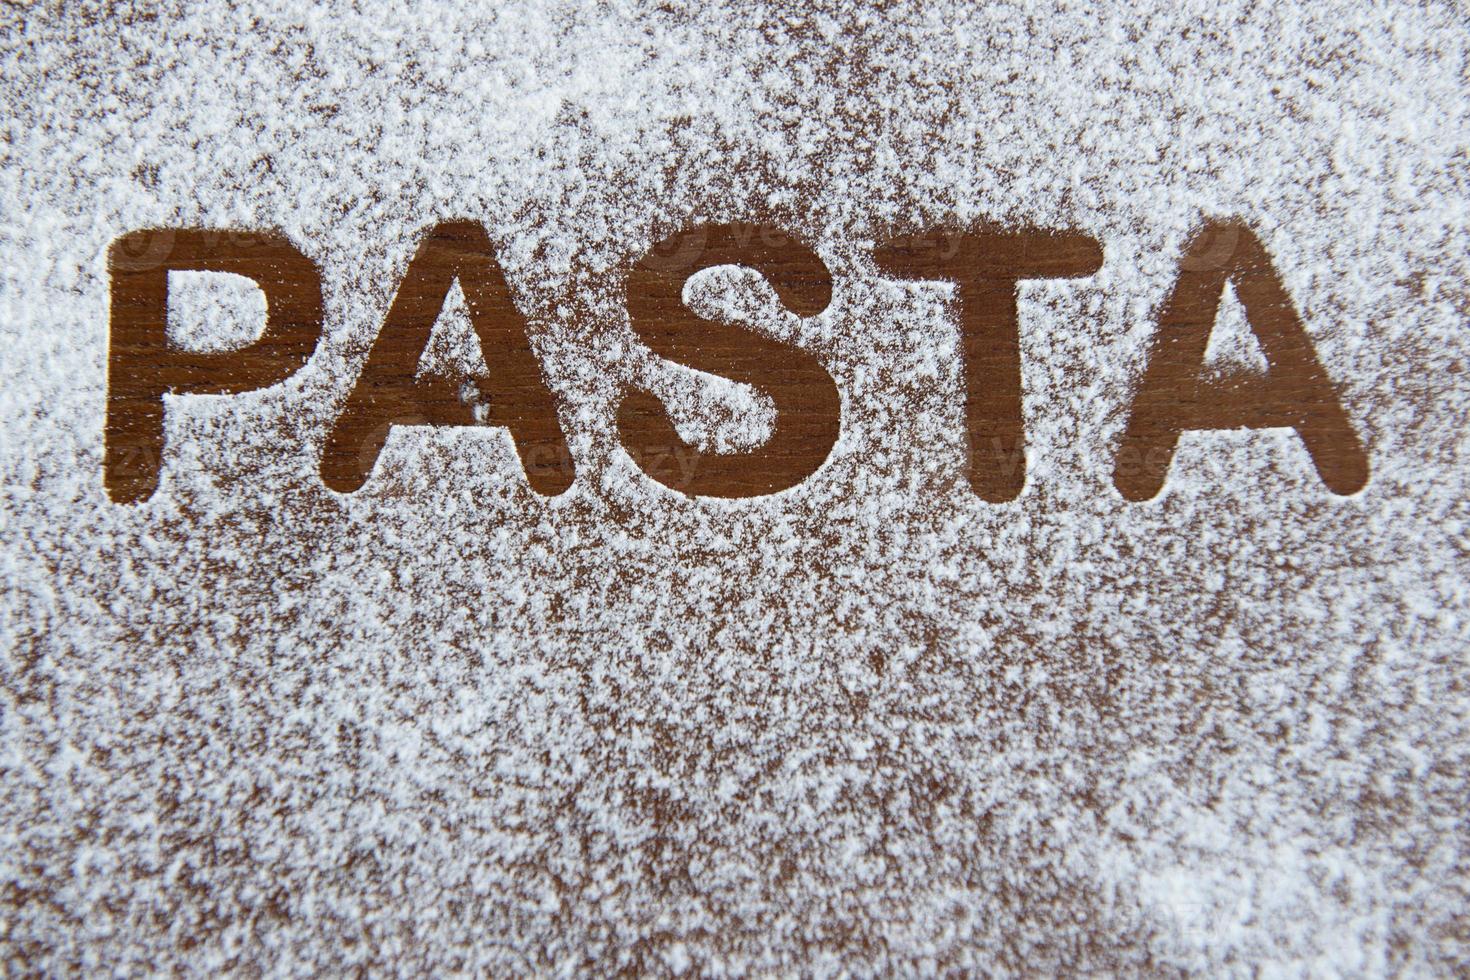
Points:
point(389, 392)
point(1175, 396)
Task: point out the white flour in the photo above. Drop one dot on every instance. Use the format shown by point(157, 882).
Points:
point(872, 724)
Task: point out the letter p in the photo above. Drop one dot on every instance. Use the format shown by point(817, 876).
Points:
point(142, 365)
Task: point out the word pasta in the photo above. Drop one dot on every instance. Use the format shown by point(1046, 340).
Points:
point(1175, 394)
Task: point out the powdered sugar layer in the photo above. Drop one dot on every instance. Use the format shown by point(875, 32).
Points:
point(871, 724)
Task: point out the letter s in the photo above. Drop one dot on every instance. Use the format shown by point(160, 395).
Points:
point(808, 406)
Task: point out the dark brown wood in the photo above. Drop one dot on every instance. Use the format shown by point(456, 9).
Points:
point(142, 366)
point(808, 406)
point(389, 391)
point(1176, 395)
point(986, 266)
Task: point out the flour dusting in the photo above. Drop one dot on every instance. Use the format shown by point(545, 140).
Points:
point(870, 725)
point(210, 312)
